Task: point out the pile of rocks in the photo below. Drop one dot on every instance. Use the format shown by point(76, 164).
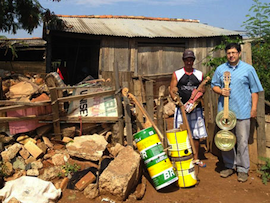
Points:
point(86, 163)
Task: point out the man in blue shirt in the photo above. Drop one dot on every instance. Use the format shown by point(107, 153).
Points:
point(243, 99)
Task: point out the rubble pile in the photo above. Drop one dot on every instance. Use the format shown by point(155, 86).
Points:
point(87, 163)
point(85, 156)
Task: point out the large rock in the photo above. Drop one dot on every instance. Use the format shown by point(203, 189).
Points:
point(89, 147)
point(91, 191)
point(21, 89)
point(60, 159)
point(11, 152)
point(51, 173)
point(122, 175)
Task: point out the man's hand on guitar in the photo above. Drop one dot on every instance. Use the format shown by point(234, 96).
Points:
point(225, 92)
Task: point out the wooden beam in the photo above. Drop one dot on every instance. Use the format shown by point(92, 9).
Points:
point(42, 103)
point(149, 98)
point(30, 117)
point(118, 97)
point(77, 119)
point(79, 97)
point(127, 114)
point(261, 127)
point(55, 112)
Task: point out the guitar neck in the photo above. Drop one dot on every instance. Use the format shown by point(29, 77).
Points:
point(226, 105)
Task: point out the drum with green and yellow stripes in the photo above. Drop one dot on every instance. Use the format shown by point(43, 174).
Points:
point(156, 160)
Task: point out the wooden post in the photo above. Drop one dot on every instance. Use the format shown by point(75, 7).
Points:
point(149, 98)
point(128, 123)
point(119, 104)
point(138, 95)
point(253, 145)
point(49, 54)
point(142, 89)
point(160, 114)
point(55, 111)
point(261, 127)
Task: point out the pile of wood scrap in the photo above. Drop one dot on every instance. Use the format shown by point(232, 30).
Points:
point(23, 95)
point(84, 156)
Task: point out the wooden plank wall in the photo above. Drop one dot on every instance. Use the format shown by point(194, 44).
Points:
point(202, 48)
point(157, 60)
point(158, 63)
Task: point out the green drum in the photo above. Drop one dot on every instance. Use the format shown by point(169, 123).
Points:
point(158, 164)
point(161, 171)
point(148, 144)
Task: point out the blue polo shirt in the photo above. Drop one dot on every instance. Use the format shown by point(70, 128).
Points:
point(244, 82)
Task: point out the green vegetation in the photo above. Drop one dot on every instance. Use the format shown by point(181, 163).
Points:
point(70, 169)
point(3, 169)
point(214, 62)
point(258, 29)
point(264, 170)
point(23, 14)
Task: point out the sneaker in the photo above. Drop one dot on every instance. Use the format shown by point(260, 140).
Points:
point(226, 173)
point(242, 177)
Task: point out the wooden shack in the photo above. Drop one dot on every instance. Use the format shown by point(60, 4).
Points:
point(136, 46)
point(134, 51)
point(28, 55)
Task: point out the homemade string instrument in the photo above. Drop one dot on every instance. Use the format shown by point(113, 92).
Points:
point(226, 120)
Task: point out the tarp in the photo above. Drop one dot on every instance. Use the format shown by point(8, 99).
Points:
point(27, 189)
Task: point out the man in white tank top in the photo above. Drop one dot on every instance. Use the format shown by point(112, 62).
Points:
point(186, 80)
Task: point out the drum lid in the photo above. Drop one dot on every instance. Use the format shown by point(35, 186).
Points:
point(226, 124)
point(225, 140)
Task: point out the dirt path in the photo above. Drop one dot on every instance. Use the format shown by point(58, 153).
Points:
point(211, 188)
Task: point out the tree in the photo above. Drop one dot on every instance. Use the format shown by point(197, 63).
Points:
point(21, 14)
point(258, 29)
point(214, 62)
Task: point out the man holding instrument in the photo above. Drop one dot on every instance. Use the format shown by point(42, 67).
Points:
point(186, 80)
point(243, 99)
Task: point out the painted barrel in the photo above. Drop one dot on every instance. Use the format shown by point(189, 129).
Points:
point(179, 143)
point(161, 171)
point(148, 144)
point(157, 162)
point(185, 171)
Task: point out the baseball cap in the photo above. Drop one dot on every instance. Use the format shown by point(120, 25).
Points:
point(188, 54)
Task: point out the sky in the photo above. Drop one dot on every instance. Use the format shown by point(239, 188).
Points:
point(227, 14)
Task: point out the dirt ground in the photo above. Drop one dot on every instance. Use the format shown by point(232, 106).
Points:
point(210, 188)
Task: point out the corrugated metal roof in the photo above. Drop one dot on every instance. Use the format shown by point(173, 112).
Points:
point(141, 27)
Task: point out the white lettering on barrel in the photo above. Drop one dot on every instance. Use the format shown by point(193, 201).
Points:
point(169, 173)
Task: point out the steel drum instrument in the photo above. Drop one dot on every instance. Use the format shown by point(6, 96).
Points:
point(226, 120)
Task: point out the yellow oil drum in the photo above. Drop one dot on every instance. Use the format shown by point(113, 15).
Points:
point(179, 143)
point(157, 162)
point(185, 171)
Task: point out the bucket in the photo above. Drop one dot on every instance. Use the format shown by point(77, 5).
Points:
point(148, 144)
point(157, 162)
point(161, 171)
point(179, 143)
point(185, 171)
